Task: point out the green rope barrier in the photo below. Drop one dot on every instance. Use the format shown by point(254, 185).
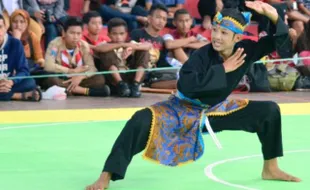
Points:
point(135, 70)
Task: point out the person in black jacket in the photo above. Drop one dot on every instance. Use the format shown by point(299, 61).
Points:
point(170, 132)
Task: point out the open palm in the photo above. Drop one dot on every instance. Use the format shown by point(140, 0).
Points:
point(262, 8)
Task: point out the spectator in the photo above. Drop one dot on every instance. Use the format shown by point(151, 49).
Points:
point(121, 55)
point(50, 13)
point(182, 41)
point(20, 20)
point(157, 21)
point(7, 7)
point(69, 55)
point(173, 6)
point(127, 10)
point(93, 24)
point(93, 36)
point(14, 63)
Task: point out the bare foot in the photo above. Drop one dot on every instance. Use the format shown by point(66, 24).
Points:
point(102, 183)
point(277, 174)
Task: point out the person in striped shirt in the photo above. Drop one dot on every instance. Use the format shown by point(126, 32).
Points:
point(70, 55)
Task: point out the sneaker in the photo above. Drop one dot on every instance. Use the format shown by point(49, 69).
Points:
point(123, 89)
point(135, 90)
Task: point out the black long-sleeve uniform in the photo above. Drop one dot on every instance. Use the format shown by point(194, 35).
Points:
point(203, 77)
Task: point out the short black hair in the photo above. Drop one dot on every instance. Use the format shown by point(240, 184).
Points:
point(181, 12)
point(89, 15)
point(158, 6)
point(235, 14)
point(2, 18)
point(72, 21)
point(116, 22)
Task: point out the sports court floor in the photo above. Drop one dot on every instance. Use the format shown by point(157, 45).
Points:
point(62, 145)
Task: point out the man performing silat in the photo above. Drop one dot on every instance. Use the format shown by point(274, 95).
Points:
point(170, 132)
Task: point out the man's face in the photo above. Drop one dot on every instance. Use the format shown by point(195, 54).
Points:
point(183, 23)
point(95, 25)
point(3, 30)
point(118, 34)
point(158, 20)
point(73, 36)
point(223, 39)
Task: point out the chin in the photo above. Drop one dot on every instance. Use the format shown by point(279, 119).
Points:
point(216, 48)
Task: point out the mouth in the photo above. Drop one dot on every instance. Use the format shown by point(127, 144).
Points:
point(216, 44)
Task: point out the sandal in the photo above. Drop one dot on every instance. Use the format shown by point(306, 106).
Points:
point(32, 98)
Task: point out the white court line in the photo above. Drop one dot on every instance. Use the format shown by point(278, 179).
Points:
point(53, 124)
point(209, 169)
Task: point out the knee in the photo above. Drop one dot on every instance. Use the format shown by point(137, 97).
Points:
point(142, 118)
point(30, 84)
point(272, 109)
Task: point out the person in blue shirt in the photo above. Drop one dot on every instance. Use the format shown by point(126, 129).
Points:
point(14, 63)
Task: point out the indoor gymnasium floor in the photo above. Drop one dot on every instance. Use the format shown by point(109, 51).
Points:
point(62, 145)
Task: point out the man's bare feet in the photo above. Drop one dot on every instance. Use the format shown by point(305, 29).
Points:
point(271, 171)
point(102, 183)
point(279, 175)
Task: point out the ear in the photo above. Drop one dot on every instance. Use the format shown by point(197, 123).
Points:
point(174, 23)
point(237, 38)
point(63, 33)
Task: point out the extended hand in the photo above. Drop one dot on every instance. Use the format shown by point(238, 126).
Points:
point(127, 52)
point(74, 82)
point(263, 9)
point(6, 85)
point(235, 61)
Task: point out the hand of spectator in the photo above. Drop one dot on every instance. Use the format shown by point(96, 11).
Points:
point(40, 15)
point(263, 9)
point(81, 69)
point(142, 20)
point(53, 18)
point(126, 53)
point(74, 82)
point(206, 24)
point(219, 5)
point(16, 34)
point(192, 39)
point(170, 14)
point(234, 61)
point(5, 85)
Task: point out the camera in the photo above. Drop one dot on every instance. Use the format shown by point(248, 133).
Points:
point(48, 16)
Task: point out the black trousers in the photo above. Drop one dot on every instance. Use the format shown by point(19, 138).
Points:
point(263, 118)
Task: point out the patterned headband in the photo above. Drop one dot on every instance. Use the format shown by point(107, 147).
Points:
point(231, 23)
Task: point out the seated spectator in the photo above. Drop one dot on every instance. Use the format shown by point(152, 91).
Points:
point(50, 13)
point(20, 20)
point(70, 55)
point(14, 63)
point(173, 6)
point(93, 36)
point(93, 24)
point(295, 18)
point(182, 41)
point(127, 10)
point(121, 55)
point(286, 75)
point(8, 7)
point(165, 79)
